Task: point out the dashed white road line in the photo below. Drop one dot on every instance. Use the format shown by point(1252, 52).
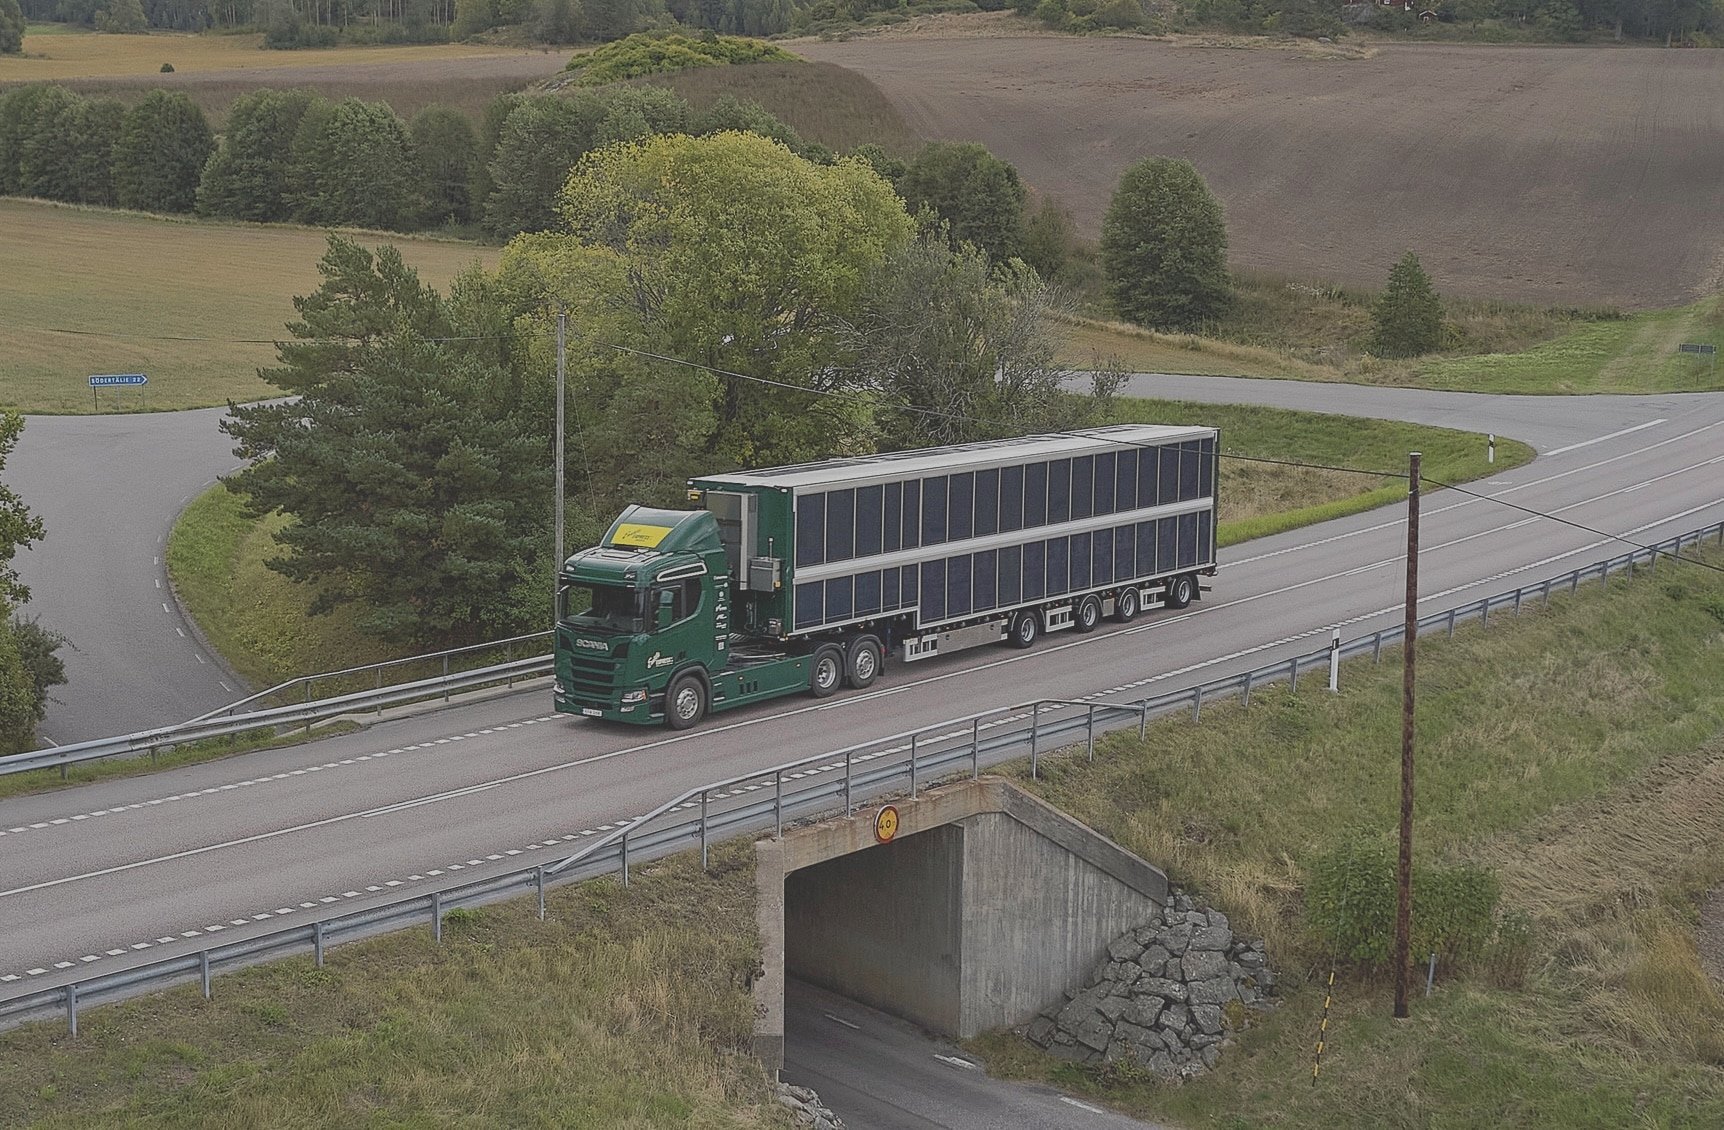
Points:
point(1602, 439)
point(1081, 1105)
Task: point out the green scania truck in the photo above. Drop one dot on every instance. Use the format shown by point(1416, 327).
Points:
point(806, 578)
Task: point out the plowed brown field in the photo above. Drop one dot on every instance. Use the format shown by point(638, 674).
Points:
point(1549, 175)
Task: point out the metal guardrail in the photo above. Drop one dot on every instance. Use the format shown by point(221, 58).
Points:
point(806, 788)
point(226, 721)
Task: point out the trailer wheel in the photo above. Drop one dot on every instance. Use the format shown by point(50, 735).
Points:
point(862, 664)
point(1180, 591)
point(684, 702)
point(1088, 614)
point(827, 672)
point(1126, 606)
point(1023, 629)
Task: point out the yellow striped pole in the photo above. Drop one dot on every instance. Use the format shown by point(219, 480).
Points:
point(1323, 1029)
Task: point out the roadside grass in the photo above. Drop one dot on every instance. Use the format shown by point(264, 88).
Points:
point(1578, 751)
point(192, 304)
point(822, 102)
point(1262, 498)
point(253, 616)
point(52, 57)
point(625, 1008)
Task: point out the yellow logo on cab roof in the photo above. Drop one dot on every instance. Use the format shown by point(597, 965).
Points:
point(637, 534)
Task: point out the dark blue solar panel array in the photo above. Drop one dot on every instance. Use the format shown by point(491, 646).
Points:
point(954, 508)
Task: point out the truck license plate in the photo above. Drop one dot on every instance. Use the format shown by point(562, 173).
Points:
point(591, 713)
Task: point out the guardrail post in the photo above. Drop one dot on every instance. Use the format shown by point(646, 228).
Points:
point(1517, 593)
point(1035, 721)
point(308, 683)
point(204, 972)
point(437, 916)
point(509, 657)
point(317, 942)
point(913, 738)
point(976, 748)
point(1089, 732)
point(1143, 719)
point(1293, 673)
point(1485, 612)
point(380, 691)
point(445, 678)
point(65, 767)
point(625, 859)
point(1574, 582)
point(778, 804)
point(72, 1009)
point(1451, 623)
point(539, 879)
point(703, 829)
point(847, 808)
point(1247, 700)
point(1377, 650)
point(1547, 592)
point(1196, 702)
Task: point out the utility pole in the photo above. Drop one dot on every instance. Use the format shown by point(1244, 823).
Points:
point(557, 456)
point(1404, 869)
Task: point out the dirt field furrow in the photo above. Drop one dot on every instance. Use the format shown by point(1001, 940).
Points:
point(1555, 175)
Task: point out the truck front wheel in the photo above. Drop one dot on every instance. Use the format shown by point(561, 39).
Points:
point(862, 664)
point(827, 672)
point(684, 702)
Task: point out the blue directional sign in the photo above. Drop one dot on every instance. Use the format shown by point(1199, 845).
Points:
point(118, 379)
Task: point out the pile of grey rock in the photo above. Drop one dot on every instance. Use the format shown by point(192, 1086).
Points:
point(1159, 998)
point(806, 1109)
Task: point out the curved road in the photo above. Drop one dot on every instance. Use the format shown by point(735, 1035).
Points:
point(128, 870)
point(108, 489)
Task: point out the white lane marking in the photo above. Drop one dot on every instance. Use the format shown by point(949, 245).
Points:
point(841, 1020)
point(198, 657)
point(182, 632)
point(1081, 1105)
point(1602, 439)
point(955, 1061)
point(165, 609)
point(158, 582)
point(224, 686)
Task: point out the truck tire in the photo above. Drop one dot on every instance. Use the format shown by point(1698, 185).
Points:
point(684, 702)
point(1023, 629)
point(1087, 614)
point(1126, 606)
point(863, 661)
point(826, 672)
point(1181, 591)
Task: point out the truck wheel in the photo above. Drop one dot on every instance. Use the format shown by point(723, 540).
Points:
point(827, 672)
point(1088, 614)
point(862, 664)
point(1023, 629)
point(1180, 591)
point(684, 702)
point(1126, 606)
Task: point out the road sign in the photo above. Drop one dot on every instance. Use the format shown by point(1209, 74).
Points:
point(886, 824)
point(1692, 347)
point(108, 379)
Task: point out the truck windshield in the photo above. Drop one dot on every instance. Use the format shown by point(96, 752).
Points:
point(608, 609)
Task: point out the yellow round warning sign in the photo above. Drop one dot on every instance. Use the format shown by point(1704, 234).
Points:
point(886, 824)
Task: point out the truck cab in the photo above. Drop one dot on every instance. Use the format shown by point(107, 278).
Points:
point(647, 607)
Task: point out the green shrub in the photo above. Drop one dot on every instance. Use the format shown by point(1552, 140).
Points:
point(167, 68)
point(649, 54)
point(1350, 904)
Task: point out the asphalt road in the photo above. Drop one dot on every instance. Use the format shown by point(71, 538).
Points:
point(119, 871)
point(878, 1073)
point(108, 489)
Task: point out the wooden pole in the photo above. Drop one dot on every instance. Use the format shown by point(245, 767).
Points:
point(1404, 868)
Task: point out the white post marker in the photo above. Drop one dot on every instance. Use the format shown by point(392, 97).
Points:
point(1335, 660)
point(1491, 449)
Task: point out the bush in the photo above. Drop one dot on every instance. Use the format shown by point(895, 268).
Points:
point(650, 54)
point(1350, 901)
point(1119, 14)
point(1164, 247)
point(167, 68)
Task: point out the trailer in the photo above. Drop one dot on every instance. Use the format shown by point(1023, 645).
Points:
point(808, 577)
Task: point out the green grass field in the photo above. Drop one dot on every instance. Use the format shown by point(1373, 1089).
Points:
point(1577, 751)
point(625, 1009)
point(194, 305)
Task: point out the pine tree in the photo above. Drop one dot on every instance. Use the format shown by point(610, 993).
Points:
point(1164, 247)
point(1408, 316)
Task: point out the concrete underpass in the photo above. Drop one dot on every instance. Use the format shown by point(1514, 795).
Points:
point(985, 905)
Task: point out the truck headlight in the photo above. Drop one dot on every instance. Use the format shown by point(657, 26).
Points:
point(633, 697)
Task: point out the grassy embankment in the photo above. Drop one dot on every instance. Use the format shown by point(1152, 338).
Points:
point(191, 304)
point(1281, 328)
point(624, 1009)
point(1578, 751)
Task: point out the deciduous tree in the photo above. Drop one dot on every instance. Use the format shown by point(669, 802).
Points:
point(445, 157)
point(352, 165)
point(11, 28)
point(538, 144)
point(1164, 246)
point(247, 177)
point(161, 153)
point(978, 195)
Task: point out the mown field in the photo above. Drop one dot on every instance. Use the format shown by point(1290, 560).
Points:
point(625, 1009)
point(1550, 175)
point(193, 305)
point(1578, 752)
